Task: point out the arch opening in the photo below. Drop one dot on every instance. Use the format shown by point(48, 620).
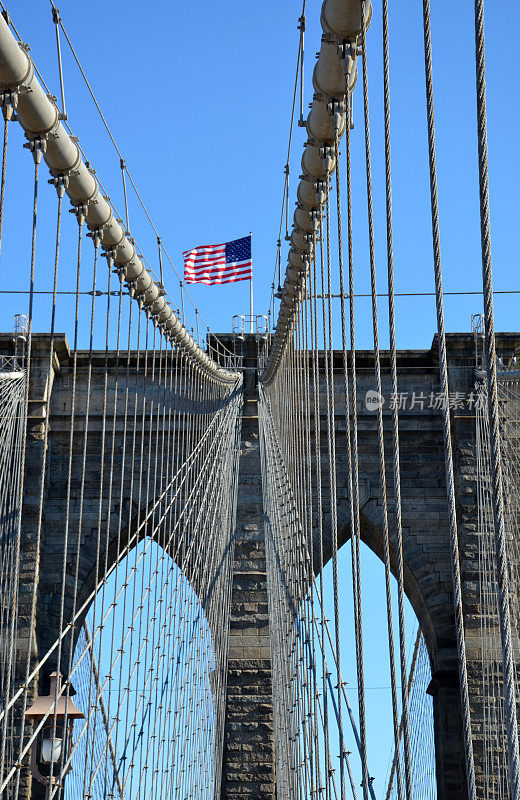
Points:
point(148, 675)
point(381, 758)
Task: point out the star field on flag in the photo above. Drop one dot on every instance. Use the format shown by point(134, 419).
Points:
point(219, 263)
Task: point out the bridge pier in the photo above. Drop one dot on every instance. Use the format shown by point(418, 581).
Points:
point(41, 382)
point(248, 765)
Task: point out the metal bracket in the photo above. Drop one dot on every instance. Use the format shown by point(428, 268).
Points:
point(327, 154)
point(120, 272)
point(110, 254)
point(9, 103)
point(131, 284)
point(37, 146)
point(336, 108)
point(60, 183)
point(95, 234)
point(80, 210)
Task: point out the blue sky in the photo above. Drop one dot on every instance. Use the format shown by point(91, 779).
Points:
point(198, 98)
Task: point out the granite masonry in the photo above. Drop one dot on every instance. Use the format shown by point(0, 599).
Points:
point(248, 767)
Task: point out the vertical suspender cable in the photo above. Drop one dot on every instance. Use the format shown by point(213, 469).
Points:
point(345, 377)
point(332, 486)
point(37, 153)
point(448, 455)
point(106, 719)
point(58, 182)
point(85, 437)
point(355, 535)
point(13, 632)
point(409, 688)
point(491, 368)
point(7, 111)
point(320, 501)
point(69, 495)
point(395, 412)
point(380, 429)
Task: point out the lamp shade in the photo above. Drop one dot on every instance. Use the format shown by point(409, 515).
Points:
point(51, 751)
point(45, 703)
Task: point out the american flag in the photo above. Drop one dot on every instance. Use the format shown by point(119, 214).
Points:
point(219, 263)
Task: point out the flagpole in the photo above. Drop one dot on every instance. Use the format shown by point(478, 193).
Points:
point(251, 289)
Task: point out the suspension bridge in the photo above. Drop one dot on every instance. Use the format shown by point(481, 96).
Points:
point(186, 515)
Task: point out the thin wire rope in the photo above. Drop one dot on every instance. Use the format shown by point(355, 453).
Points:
point(338, 296)
point(33, 602)
point(155, 513)
point(285, 193)
point(448, 455)
point(156, 571)
point(401, 727)
point(493, 410)
point(4, 171)
point(8, 17)
point(91, 596)
point(353, 482)
point(395, 413)
point(380, 428)
point(116, 147)
point(68, 494)
point(333, 492)
point(356, 533)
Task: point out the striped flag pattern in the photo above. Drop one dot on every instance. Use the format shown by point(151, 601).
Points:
point(219, 263)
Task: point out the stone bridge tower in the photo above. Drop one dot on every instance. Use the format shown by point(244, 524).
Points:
point(249, 769)
point(428, 583)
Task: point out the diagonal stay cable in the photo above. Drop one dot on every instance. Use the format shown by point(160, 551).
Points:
point(92, 594)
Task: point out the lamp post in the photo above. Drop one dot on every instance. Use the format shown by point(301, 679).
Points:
point(47, 751)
